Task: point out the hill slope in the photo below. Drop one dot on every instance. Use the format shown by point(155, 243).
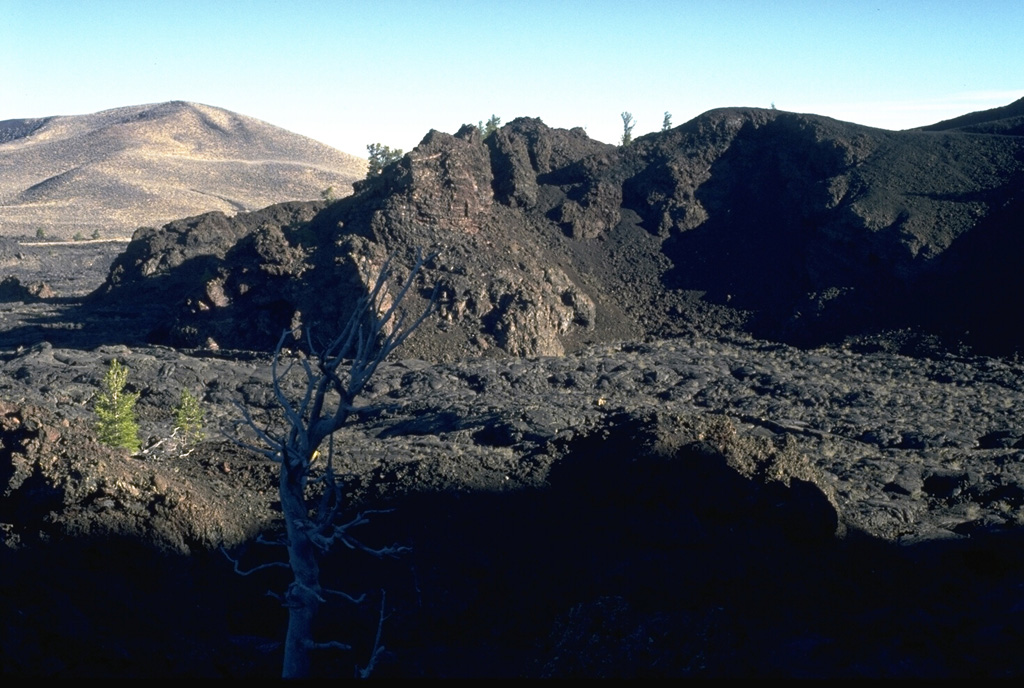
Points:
point(1008, 120)
point(119, 169)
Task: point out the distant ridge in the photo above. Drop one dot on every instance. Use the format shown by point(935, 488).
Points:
point(1007, 119)
point(119, 169)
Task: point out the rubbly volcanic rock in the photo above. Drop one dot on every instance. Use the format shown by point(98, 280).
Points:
point(237, 282)
point(61, 483)
point(179, 272)
point(691, 507)
point(821, 229)
point(667, 495)
point(11, 289)
point(795, 227)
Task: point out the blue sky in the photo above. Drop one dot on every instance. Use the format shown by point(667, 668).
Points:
point(352, 72)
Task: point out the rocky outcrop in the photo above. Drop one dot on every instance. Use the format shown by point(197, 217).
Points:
point(11, 289)
point(793, 227)
point(237, 282)
point(821, 229)
point(217, 277)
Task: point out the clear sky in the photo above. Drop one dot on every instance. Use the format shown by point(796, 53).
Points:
point(353, 72)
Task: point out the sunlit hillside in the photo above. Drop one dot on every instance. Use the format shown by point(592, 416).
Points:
point(110, 172)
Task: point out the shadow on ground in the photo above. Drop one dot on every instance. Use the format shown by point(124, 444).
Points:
point(625, 565)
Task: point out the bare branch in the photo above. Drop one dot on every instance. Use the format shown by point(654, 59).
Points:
point(263, 540)
point(378, 649)
point(393, 551)
point(261, 567)
point(293, 416)
point(330, 645)
point(274, 447)
point(353, 600)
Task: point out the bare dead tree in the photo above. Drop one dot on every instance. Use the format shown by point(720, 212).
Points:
point(334, 374)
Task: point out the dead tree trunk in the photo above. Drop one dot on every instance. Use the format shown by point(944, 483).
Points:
point(334, 375)
point(303, 596)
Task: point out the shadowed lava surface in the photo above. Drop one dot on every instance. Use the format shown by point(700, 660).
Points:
point(691, 507)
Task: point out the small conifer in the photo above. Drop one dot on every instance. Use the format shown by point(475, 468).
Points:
point(627, 128)
point(380, 156)
point(189, 419)
point(492, 126)
point(115, 407)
